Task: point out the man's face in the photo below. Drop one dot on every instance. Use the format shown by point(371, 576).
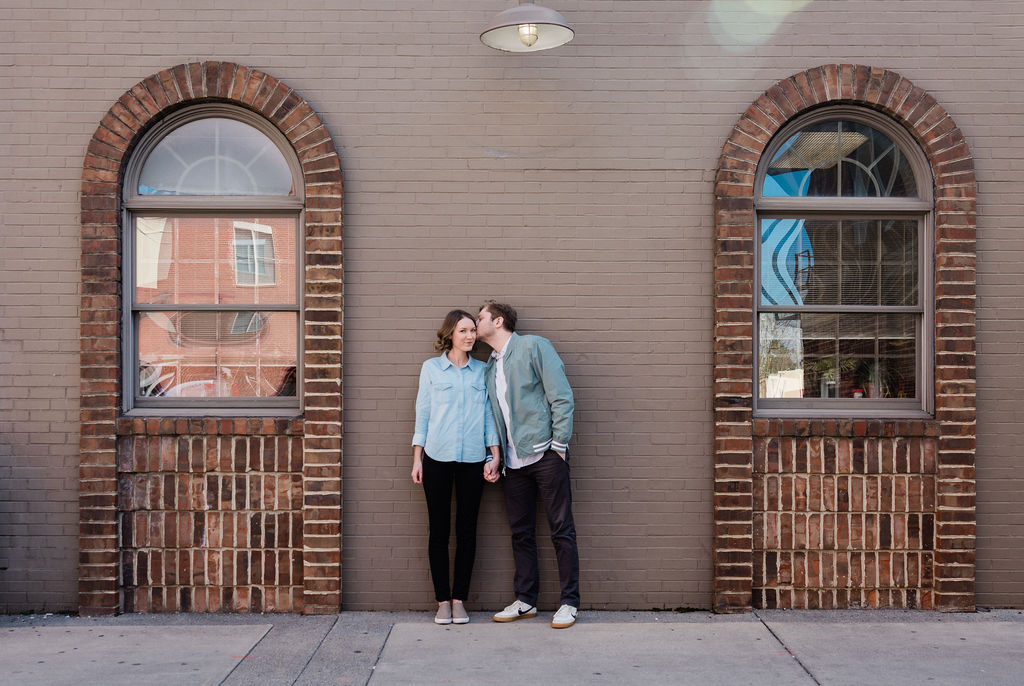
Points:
point(485, 326)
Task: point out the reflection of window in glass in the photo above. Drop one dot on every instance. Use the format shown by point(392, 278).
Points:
point(227, 328)
point(841, 306)
point(241, 354)
point(214, 292)
point(246, 322)
point(201, 259)
point(254, 254)
point(150, 249)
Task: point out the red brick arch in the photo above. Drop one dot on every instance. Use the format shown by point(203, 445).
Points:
point(949, 554)
point(305, 450)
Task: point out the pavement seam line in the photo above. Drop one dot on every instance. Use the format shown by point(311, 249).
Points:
point(239, 663)
point(783, 644)
point(317, 649)
point(373, 669)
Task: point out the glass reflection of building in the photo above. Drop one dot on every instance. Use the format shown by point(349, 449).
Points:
point(215, 309)
point(839, 289)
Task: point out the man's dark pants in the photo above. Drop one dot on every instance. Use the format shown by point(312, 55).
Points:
point(548, 477)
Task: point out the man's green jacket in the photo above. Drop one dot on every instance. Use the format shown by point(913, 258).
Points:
point(539, 397)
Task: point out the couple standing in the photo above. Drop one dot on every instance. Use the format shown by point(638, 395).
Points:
point(514, 412)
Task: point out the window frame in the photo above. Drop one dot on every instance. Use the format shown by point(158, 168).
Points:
point(847, 208)
point(136, 205)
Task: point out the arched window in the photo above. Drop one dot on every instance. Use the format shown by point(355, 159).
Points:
point(213, 200)
point(843, 261)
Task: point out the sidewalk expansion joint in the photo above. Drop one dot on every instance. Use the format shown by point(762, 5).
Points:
point(239, 663)
point(786, 648)
point(313, 653)
point(379, 653)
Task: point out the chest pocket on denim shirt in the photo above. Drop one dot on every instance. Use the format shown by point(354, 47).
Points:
point(477, 391)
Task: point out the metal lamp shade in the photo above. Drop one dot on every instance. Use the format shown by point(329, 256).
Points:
point(503, 32)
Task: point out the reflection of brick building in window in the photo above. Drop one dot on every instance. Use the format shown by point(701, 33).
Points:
point(243, 351)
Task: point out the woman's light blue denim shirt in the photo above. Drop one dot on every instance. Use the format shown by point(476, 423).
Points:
point(453, 420)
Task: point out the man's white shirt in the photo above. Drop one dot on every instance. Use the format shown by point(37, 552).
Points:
point(512, 459)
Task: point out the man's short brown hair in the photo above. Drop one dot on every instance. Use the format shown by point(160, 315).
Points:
point(503, 310)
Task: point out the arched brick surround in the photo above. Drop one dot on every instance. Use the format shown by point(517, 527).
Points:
point(903, 515)
point(155, 492)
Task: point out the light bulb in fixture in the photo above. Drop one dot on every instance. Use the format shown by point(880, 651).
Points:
point(528, 34)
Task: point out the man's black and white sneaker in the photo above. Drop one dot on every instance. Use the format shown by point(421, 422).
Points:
point(517, 610)
point(564, 618)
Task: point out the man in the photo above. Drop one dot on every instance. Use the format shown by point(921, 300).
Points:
point(532, 405)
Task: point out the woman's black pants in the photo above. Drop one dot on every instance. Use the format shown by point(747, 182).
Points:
point(439, 478)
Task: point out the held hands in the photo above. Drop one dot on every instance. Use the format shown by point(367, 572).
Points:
point(492, 467)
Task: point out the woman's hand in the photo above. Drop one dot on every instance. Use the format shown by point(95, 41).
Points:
point(417, 464)
point(491, 470)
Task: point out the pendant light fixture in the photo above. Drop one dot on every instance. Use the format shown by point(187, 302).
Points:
point(527, 28)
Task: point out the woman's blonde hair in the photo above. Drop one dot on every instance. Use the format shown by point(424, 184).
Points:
point(444, 334)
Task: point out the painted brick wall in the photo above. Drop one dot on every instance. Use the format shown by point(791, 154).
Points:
point(576, 183)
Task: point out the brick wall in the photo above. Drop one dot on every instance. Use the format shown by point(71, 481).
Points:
point(211, 519)
point(755, 556)
point(844, 514)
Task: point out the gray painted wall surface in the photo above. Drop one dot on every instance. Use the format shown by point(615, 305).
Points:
point(575, 183)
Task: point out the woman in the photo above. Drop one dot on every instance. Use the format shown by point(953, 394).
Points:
point(453, 426)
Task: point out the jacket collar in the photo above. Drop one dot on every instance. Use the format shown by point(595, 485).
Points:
point(510, 346)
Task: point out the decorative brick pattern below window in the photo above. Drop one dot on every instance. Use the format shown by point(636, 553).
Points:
point(844, 520)
point(211, 522)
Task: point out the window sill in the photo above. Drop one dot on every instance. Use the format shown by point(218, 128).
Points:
point(160, 424)
point(790, 425)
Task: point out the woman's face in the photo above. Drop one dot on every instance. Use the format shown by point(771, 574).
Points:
point(464, 335)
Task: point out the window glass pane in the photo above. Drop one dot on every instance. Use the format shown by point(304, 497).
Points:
point(837, 355)
point(879, 262)
point(860, 241)
point(834, 158)
point(806, 164)
point(254, 254)
point(876, 168)
point(859, 269)
point(199, 354)
point(829, 262)
point(215, 260)
point(799, 262)
point(899, 262)
point(215, 156)
point(859, 283)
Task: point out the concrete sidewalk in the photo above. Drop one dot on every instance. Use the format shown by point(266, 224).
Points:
point(388, 648)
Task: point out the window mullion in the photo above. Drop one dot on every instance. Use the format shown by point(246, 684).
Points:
point(226, 307)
